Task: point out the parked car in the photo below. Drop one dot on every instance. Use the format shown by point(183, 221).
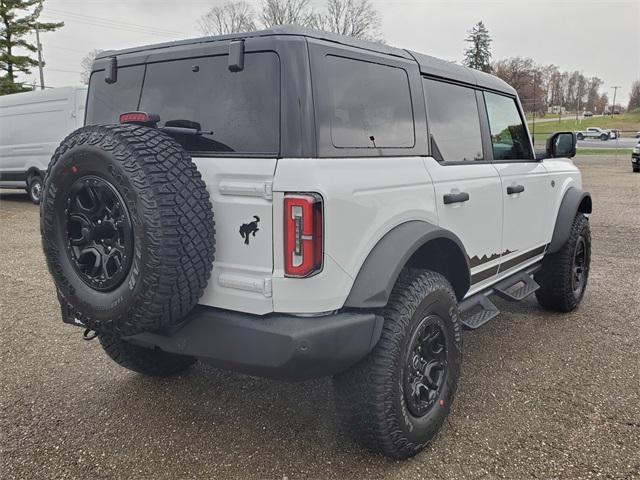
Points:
point(635, 158)
point(594, 132)
point(32, 124)
point(369, 201)
point(637, 134)
point(588, 114)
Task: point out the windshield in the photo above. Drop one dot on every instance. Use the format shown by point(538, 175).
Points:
point(238, 112)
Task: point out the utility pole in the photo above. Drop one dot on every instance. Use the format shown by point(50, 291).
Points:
point(579, 95)
point(40, 58)
point(613, 106)
point(533, 140)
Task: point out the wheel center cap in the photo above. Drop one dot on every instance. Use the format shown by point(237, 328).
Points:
point(104, 231)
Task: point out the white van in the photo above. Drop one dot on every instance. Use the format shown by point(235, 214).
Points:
point(32, 125)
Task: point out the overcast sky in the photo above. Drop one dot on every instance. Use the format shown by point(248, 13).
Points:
point(598, 37)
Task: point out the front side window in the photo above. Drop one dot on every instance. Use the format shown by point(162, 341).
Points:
point(371, 105)
point(509, 139)
point(454, 123)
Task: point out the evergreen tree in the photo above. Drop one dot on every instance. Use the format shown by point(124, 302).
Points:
point(478, 55)
point(14, 33)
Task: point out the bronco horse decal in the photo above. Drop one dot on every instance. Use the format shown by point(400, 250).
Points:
point(247, 229)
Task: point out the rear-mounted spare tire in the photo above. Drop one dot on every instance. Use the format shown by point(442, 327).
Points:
point(127, 229)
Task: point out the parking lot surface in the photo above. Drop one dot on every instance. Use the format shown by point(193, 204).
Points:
point(542, 395)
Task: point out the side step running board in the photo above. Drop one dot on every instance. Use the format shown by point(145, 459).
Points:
point(478, 309)
point(516, 288)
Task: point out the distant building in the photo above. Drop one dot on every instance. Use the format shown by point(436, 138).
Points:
point(556, 109)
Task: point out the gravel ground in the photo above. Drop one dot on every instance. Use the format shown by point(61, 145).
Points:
point(541, 396)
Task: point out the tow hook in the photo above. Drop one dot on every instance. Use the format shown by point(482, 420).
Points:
point(89, 334)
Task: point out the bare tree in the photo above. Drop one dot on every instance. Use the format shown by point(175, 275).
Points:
point(231, 17)
point(87, 65)
point(355, 18)
point(634, 98)
point(287, 12)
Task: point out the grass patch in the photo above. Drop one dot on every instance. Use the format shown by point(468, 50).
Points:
point(628, 123)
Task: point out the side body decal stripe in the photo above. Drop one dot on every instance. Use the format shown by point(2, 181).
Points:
point(489, 272)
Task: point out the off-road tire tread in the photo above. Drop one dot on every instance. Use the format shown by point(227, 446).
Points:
point(178, 218)
point(147, 361)
point(555, 292)
point(363, 402)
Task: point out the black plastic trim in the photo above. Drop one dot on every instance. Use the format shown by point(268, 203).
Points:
point(569, 206)
point(276, 346)
point(13, 176)
point(484, 274)
point(485, 129)
point(379, 272)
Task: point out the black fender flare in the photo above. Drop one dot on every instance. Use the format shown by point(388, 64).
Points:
point(574, 201)
point(380, 270)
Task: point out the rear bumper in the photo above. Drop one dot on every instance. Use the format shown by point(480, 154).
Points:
point(275, 346)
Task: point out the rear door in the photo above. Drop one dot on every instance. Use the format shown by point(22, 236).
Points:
point(467, 186)
point(238, 112)
point(526, 189)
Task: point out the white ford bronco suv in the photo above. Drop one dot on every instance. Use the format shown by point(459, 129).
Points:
point(369, 202)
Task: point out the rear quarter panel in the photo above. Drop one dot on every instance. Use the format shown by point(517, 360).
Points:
point(363, 198)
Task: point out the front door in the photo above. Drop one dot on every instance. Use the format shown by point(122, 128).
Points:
point(525, 185)
point(467, 187)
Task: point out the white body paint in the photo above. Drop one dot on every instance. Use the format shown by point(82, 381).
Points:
point(364, 198)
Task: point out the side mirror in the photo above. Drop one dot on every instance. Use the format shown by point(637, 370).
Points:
point(561, 145)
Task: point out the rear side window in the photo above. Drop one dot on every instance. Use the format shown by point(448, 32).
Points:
point(509, 139)
point(242, 109)
point(370, 105)
point(454, 122)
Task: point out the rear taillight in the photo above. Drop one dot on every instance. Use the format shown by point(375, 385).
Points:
point(302, 234)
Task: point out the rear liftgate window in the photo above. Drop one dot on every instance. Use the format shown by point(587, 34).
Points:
point(242, 109)
point(107, 101)
point(371, 105)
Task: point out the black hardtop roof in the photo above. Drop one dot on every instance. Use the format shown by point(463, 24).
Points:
point(428, 65)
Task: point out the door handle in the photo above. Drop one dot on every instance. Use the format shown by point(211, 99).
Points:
point(515, 189)
point(455, 197)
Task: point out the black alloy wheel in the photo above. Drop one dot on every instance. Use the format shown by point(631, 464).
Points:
point(579, 267)
point(425, 368)
point(99, 233)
